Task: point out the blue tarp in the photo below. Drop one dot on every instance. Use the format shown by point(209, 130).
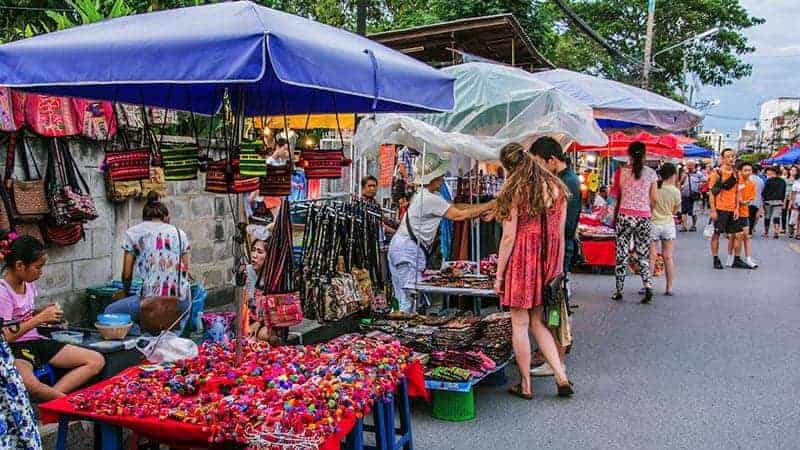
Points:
point(621, 102)
point(185, 58)
point(786, 159)
point(695, 151)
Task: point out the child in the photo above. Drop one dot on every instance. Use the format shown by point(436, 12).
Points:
point(24, 258)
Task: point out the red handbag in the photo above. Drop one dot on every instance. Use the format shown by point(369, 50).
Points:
point(96, 119)
point(323, 164)
point(222, 177)
point(12, 110)
point(278, 310)
point(277, 182)
point(128, 164)
point(63, 234)
point(51, 116)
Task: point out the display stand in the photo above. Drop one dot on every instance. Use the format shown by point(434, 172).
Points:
point(476, 294)
point(455, 401)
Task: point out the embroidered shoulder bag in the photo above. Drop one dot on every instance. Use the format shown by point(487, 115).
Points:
point(28, 201)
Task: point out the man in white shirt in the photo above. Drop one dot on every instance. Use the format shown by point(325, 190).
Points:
point(417, 231)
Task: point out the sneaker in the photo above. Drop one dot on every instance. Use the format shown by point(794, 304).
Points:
point(718, 263)
point(738, 263)
point(543, 371)
point(752, 262)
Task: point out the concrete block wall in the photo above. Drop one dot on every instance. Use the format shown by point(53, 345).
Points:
point(206, 218)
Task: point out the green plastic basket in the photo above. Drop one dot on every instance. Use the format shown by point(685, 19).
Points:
point(453, 406)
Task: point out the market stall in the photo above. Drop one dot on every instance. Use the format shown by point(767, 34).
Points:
point(310, 396)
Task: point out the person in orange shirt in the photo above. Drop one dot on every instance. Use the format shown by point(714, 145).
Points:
point(747, 193)
point(723, 202)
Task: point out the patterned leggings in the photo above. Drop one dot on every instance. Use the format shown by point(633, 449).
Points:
point(636, 230)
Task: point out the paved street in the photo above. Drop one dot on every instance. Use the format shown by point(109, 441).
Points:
point(716, 366)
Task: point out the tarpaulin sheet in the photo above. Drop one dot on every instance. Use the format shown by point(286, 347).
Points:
point(179, 433)
point(623, 103)
point(494, 105)
point(184, 58)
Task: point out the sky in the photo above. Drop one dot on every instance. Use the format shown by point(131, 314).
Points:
point(776, 65)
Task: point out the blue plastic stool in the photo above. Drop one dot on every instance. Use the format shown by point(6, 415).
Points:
point(45, 374)
point(387, 437)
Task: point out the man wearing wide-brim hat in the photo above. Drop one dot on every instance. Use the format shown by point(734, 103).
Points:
point(414, 238)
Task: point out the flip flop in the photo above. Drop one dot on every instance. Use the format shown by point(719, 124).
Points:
point(516, 391)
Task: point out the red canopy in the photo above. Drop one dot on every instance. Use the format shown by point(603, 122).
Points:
point(669, 146)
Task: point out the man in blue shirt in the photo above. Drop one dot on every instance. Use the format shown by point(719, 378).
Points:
point(549, 153)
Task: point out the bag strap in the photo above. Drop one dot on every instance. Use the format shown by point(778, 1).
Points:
point(10, 157)
point(413, 236)
point(25, 149)
point(543, 249)
point(179, 266)
point(73, 172)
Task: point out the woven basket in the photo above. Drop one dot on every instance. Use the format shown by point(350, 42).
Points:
point(112, 332)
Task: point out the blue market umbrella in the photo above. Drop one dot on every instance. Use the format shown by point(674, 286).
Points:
point(696, 151)
point(187, 58)
point(786, 159)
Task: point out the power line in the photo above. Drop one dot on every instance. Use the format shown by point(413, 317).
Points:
point(718, 116)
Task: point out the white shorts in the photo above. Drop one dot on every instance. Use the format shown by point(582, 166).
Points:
point(665, 232)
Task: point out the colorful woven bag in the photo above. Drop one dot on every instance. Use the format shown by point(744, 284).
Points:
point(129, 163)
point(180, 161)
point(96, 119)
point(278, 310)
point(51, 116)
point(223, 177)
point(277, 181)
point(322, 164)
point(12, 110)
point(27, 197)
point(252, 164)
point(129, 115)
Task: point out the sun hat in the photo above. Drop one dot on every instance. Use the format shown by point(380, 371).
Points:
point(429, 168)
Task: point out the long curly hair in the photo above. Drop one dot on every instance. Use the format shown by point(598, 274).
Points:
point(529, 186)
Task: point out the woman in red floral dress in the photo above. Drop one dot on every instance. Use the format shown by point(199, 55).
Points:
point(530, 190)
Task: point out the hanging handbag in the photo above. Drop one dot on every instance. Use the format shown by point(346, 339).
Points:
point(159, 313)
point(128, 163)
point(96, 118)
point(180, 161)
point(156, 183)
point(276, 182)
point(222, 177)
point(121, 191)
point(63, 235)
point(51, 116)
point(12, 110)
point(278, 310)
point(251, 163)
point(28, 200)
point(129, 115)
point(341, 298)
point(322, 164)
point(79, 201)
point(28, 229)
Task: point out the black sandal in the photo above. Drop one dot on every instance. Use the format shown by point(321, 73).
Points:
point(617, 296)
point(565, 390)
point(516, 391)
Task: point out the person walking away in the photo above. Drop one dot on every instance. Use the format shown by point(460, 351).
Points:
point(24, 257)
point(549, 153)
point(160, 253)
point(723, 203)
point(773, 195)
point(635, 193)
point(411, 244)
point(747, 193)
point(533, 207)
point(787, 178)
point(794, 203)
point(668, 202)
point(755, 209)
point(691, 184)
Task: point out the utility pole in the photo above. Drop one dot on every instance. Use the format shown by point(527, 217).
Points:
point(648, 43)
point(361, 17)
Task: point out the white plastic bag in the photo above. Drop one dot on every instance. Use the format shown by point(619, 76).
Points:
point(708, 231)
point(168, 347)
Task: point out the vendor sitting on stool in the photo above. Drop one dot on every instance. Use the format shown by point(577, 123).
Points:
point(409, 246)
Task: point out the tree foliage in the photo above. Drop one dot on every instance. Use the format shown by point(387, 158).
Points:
point(715, 60)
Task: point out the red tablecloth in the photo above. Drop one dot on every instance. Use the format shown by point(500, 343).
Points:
point(179, 433)
point(600, 253)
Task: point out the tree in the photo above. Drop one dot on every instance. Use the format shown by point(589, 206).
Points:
point(715, 60)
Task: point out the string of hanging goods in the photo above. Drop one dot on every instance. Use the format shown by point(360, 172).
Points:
point(341, 239)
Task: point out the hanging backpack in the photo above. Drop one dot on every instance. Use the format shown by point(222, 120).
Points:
point(96, 119)
point(51, 116)
point(12, 110)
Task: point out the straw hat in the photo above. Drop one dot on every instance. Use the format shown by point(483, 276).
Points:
point(429, 168)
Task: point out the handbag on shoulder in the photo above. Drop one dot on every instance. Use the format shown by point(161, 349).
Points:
point(27, 197)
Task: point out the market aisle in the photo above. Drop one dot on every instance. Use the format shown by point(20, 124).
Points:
point(715, 366)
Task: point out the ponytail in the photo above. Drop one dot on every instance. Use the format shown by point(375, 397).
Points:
point(665, 172)
point(637, 151)
point(154, 208)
